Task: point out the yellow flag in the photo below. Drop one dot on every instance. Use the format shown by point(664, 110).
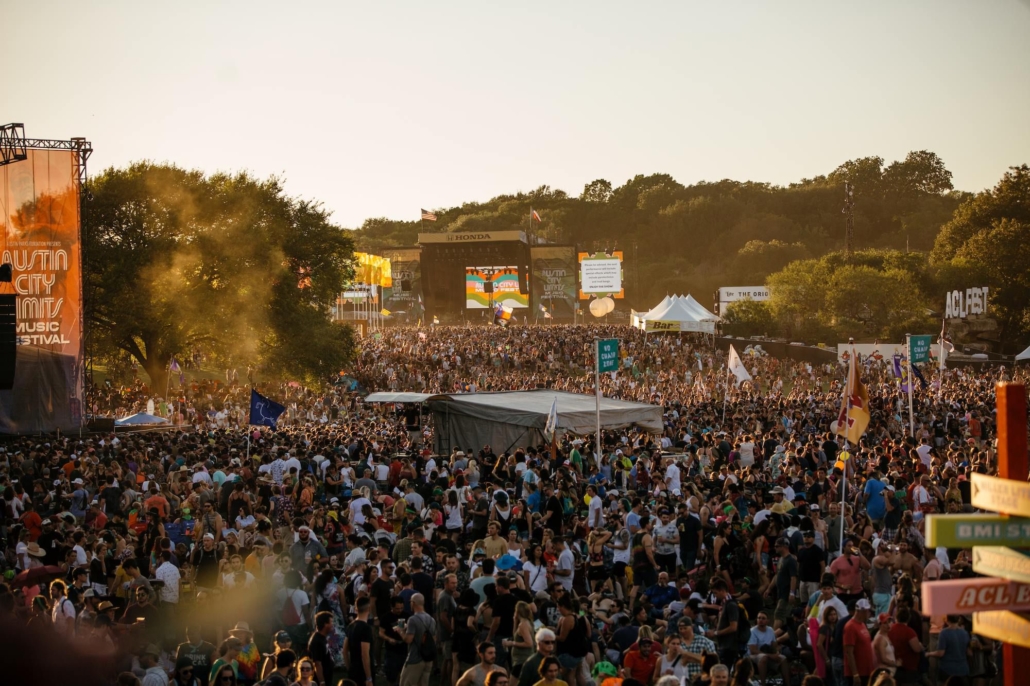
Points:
point(854, 408)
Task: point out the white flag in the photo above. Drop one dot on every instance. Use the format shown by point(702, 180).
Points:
point(552, 421)
point(737, 367)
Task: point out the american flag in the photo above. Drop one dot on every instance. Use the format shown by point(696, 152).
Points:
point(428, 216)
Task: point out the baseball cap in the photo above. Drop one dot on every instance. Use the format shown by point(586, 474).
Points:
point(884, 618)
point(863, 604)
point(283, 637)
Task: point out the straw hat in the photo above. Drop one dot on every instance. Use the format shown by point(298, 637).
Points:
point(35, 551)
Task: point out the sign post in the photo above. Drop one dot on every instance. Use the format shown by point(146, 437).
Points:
point(968, 530)
point(606, 359)
point(1006, 626)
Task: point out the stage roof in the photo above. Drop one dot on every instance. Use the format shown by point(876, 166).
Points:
point(530, 409)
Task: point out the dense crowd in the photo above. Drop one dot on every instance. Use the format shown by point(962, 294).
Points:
point(341, 547)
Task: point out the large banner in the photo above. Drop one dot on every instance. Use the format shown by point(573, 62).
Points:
point(505, 282)
point(600, 275)
point(405, 295)
point(553, 282)
point(39, 198)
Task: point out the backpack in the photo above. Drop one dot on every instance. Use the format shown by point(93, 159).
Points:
point(743, 625)
point(289, 614)
point(427, 648)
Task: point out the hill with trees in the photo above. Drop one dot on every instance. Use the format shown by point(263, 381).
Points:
point(916, 237)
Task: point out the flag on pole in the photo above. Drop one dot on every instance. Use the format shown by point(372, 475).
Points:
point(552, 421)
point(854, 407)
point(174, 366)
point(385, 312)
point(502, 315)
point(535, 215)
point(737, 367)
point(264, 412)
point(900, 371)
point(943, 340)
point(919, 375)
point(428, 216)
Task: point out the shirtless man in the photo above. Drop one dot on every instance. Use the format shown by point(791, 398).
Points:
point(907, 562)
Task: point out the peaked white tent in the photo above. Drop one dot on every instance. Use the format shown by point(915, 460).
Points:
point(678, 313)
point(1025, 355)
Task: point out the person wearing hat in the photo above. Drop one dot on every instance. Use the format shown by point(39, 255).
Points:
point(780, 504)
point(859, 659)
point(811, 566)
point(184, 674)
point(150, 660)
point(248, 659)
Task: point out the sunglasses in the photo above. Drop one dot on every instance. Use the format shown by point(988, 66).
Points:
point(307, 669)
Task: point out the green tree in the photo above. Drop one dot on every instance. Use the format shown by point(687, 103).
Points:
point(749, 318)
point(598, 190)
point(1010, 199)
point(920, 172)
point(179, 261)
point(1000, 257)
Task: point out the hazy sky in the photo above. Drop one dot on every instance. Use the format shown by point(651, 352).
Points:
point(380, 108)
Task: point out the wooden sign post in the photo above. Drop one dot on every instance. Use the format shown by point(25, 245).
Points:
point(1012, 464)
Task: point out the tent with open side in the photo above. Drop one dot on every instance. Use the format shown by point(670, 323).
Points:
point(1025, 355)
point(679, 313)
point(508, 419)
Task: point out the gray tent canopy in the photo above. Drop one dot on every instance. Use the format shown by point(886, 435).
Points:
point(517, 418)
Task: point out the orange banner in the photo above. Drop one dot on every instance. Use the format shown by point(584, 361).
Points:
point(41, 241)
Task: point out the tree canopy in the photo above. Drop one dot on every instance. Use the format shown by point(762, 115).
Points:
point(228, 264)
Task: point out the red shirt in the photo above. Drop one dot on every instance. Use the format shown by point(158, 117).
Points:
point(641, 668)
point(34, 523)
point(856, 634)
point(900, 635)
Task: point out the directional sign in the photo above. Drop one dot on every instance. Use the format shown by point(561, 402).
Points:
point(1001, 495)
point(967, 530)
point(963, 596)
point(608, 355)
point(920, 349)
point(1008, 627)
point(1003, 562)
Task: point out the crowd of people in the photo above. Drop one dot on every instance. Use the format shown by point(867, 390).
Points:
point(340, 547)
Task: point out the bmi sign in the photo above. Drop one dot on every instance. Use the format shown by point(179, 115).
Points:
point(963, 596)
point(920, 349)
point(1001, 562)
point(608, 355)
point(961, 304)
point(1010, 627)
point(1000, 495)
point(967, 530)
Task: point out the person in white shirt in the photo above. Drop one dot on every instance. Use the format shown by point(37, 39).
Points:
point(168, 575)
point(672, 477)
point(595, 515)
point(747, 452)
point(565, 566)
point(63, 613)
point(355, 507)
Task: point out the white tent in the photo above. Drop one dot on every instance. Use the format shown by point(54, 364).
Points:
point(678, 313)
point(140, 419)
point(1025, 355)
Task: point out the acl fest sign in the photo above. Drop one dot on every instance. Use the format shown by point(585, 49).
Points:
point(960, 304)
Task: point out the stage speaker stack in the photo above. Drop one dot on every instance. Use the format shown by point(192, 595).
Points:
point(488, 286)
point(523, 283)
point(8, 340)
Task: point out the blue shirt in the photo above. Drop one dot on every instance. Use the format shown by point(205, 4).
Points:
point(875, 506)
point(533, 501)
point(954, 643)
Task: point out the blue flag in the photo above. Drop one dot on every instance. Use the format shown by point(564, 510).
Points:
point(919, 375)
point(264, 412)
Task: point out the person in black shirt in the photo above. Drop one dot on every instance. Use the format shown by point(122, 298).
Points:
point(382, 589)
point(553, 511)
point(357, 647)
point(318, 648)
point(395, 649)
point(689, 528)
point(422, 582)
